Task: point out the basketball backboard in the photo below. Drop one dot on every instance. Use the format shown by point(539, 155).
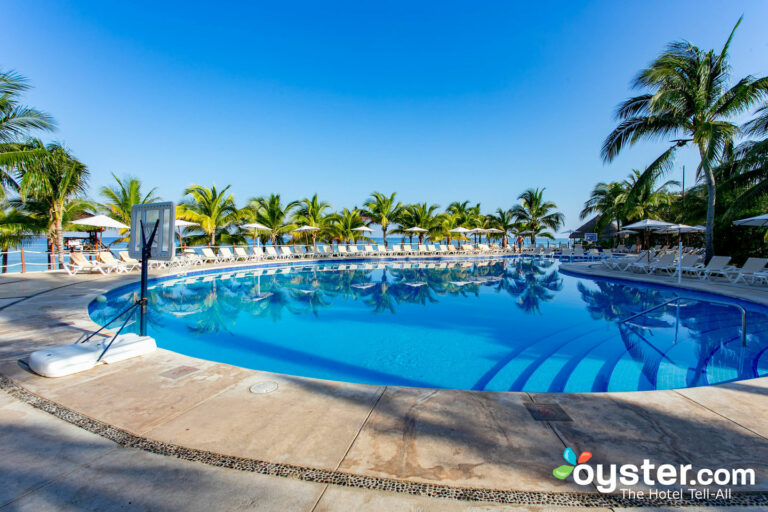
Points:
point(163, 246)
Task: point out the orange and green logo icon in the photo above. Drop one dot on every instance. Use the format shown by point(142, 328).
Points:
point(562, 472)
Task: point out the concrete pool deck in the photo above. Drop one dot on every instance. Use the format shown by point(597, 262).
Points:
point(367, 443)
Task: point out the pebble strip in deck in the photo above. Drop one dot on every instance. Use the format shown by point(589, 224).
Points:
point(565, 499)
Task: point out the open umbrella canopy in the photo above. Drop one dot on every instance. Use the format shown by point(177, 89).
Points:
point(255, 226)
point(625, 232)
point(759, 221)
point(304, 229)
point(677, 228)
point(416, 229)
point(181, 223)
point(363, 228)
point(495, 230)
point(649, 224)
point(460, 229)
point(100, 221)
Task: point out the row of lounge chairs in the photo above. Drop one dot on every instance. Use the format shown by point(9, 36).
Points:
point(106, 263)
point(649, 262)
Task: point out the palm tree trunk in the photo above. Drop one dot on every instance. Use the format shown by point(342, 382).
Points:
point(5, 260)
point(709, 244)
point(213, 237)
point(384, 235)
point(60, 237)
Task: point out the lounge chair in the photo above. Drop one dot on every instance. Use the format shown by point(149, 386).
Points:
point(753, 269)
point(718, 265)
point(209, 256)
point(109, 261)
point(270, 252)
point(368, 249)
point(353, 249)
point(241, 255)
point(126, 258)
point(285, 252)
point(381, 250)
point(664, 263)
point(225, 254)
point(78, 263)
point(341, 251)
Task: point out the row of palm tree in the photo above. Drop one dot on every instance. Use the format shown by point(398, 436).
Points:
point(688, 99)
point(218, 218)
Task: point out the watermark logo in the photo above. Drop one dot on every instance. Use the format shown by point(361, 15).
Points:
point(564, 471)
point(676, 480)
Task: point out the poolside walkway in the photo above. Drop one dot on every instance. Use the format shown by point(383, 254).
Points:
point(338, 446)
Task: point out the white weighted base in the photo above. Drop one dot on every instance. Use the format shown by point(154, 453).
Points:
point(69, 359)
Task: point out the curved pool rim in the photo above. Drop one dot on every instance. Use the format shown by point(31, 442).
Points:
point(637, 278)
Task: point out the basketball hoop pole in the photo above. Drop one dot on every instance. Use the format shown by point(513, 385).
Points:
point(146, 253)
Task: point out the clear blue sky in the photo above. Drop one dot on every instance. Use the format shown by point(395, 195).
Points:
point(438, 101)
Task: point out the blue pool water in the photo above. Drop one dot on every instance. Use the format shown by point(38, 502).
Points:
point(507, 324)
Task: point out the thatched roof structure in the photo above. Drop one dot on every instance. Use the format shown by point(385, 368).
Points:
point(589, 227)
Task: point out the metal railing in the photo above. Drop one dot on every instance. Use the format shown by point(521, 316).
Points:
point(677, 299)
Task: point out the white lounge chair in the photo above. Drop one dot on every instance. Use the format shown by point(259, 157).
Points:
point(226, 255)
point(718, 265)
point(270, 252)
point(242, 255)
point(285, 252)
point(209, 256)
point(126, 258)
point(753, 269)
point(78, 263)
point(109, 261)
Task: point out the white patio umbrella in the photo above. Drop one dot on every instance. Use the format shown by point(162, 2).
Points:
point(626, 232)
point(415, 229)
point(100, 221)
point(759, 221)
point(648, 225)
point(255, 226)
point(363, 229)
point(181, 223)
point(306, 229)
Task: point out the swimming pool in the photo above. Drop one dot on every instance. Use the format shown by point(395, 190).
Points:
point(504, 324)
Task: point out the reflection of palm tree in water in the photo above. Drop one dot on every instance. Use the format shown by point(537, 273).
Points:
point(532, 284)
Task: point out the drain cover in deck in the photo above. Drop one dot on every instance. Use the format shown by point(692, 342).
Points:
point(178, 372)
point(547, 412)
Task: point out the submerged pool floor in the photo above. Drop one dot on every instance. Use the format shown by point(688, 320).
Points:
point(505, 324)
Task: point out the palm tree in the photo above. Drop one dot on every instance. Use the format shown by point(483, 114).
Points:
point(423, 216)
point(343, 225)
point(55, 178)
point(15, 226)
point(270, 212)
point(536, 215)
point(16, 122)
point(212, 209)
point(120, 198)
point(504, 220)
point(310, 213)
point(383, 210)
point(687, 96)
point(607, 200)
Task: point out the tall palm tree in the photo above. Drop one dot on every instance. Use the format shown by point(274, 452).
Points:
point(311, 213)
point(383, 210)
point(16, 123)
point(504, 220)
point(537, 215)
point(270, 212)
point(212, 209)
point(687, 96)
point(120, 198)
point(55, 178)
